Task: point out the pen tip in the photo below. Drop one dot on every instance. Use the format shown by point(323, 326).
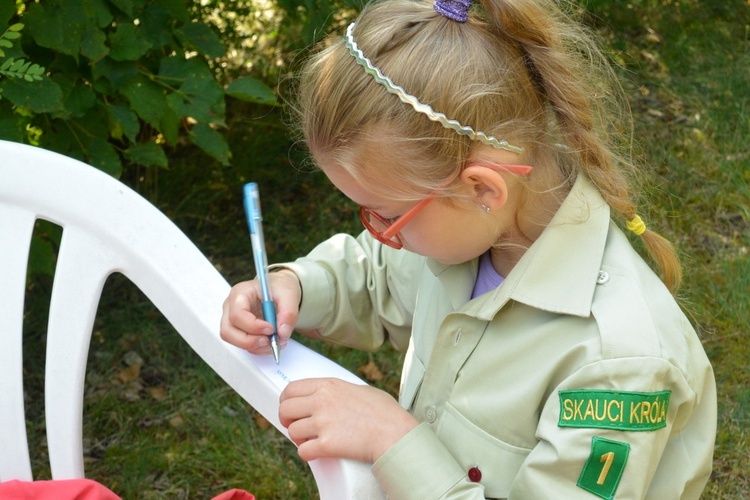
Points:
point(275, 350)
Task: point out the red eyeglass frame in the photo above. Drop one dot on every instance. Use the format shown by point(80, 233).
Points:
point(390, 235)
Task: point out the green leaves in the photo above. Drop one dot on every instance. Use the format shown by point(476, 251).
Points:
point(127, 43)
point(148, 155)
point(7, 9)
point(146, 98)
point(200, 37)
point(210, 141)
point(123, 123)
point(12, 33)
point(43, 96)
point(125, 81)
point(18, 68)
point(196, 93)
point(102, 155)
point(251, 90)
point(93, 44)
point(57, 25)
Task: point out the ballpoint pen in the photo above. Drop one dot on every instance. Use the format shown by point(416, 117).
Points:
point(255, 224)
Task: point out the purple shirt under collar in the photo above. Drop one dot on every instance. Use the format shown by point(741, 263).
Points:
point(487, 278)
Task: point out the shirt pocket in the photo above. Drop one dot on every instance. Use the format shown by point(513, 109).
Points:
point(497, 461)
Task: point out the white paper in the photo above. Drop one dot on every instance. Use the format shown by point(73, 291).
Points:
point(297, 362)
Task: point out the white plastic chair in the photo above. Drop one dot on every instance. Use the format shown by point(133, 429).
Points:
point(109, 228)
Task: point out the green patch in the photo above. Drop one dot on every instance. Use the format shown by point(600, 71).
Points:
point(618, 410)
point(603, 470)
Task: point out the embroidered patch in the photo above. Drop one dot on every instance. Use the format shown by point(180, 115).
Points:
point(618, 410)
point(603, 470)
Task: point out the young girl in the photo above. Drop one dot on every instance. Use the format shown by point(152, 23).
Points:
point(545, 359)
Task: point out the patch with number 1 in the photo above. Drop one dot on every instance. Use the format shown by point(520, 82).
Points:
point(603, 470)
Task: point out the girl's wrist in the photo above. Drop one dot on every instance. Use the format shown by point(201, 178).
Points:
point(404, 426)
point(288, 273)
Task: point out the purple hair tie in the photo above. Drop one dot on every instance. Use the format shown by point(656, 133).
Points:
point(457, 10)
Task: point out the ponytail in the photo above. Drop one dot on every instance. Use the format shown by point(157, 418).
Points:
point(569, 71)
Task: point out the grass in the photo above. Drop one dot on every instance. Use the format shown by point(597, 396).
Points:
point(159, 424)
point(694, 122)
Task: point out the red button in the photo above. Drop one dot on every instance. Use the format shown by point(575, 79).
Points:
point(475, 475)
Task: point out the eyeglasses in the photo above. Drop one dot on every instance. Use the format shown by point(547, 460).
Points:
point(387, 230)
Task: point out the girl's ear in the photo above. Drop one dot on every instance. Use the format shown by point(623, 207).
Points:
point(487, 185)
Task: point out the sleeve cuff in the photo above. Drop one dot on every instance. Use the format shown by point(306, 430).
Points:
point(417, 466)
point(316, 293)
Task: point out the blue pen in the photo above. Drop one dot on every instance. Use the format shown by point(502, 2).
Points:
point(255, 223)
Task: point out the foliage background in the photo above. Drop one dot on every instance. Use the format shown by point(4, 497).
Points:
point(148, 91)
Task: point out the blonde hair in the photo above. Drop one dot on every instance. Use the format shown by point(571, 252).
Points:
point(520, 70)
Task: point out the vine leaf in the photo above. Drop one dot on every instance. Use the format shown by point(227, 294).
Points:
point(251, 90)
point(43, 96)
point(200, 36)
point(146, 98)
point(127, 43)
point(148, 154)
point(210, 141)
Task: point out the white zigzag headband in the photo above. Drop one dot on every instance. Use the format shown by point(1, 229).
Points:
point(425, 109)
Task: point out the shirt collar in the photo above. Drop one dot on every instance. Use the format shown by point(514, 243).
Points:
point(557, 273)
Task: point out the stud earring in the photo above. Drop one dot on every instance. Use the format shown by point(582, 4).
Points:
point(485, 208)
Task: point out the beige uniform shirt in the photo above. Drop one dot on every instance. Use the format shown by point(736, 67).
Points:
point(579, 377)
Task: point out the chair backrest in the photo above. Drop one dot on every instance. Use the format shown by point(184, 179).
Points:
point(107, 227)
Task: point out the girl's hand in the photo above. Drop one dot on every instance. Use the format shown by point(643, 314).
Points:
point(333, 418)
point(242, 321)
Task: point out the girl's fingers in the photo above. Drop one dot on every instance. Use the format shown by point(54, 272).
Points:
point(240, 323)
point(333, 418)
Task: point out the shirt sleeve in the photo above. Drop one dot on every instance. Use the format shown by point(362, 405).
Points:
point(619, 428)
point(358, 292)
point(419, 466)
point(623, 428)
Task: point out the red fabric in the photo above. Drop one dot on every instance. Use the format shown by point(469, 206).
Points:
point(80, 489)
point(67, 489)
point(234, 494)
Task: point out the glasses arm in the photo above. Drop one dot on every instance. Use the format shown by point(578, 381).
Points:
point(402, 221)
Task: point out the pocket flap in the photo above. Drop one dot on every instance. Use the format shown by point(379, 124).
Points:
point(473, 447)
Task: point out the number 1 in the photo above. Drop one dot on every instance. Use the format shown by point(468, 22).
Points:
point(607, 458)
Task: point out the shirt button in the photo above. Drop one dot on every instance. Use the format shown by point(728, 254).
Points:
point(602, 278)
point(430, 414)
point(475, 475)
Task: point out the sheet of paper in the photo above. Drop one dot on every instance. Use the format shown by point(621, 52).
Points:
point(297, 362)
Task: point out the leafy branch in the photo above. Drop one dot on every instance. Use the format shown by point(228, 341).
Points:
point(17, 68)
point(128, 81)
point(12, 33)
